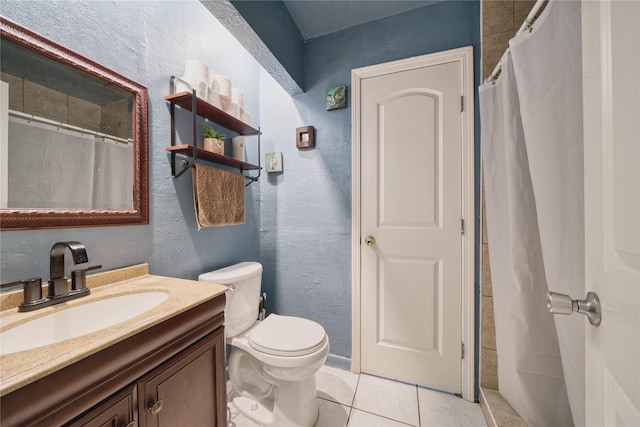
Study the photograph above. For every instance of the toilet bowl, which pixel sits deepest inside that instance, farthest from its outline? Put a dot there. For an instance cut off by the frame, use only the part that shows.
(272, 364)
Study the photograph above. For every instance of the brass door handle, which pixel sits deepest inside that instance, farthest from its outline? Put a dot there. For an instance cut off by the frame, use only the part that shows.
(370, 240)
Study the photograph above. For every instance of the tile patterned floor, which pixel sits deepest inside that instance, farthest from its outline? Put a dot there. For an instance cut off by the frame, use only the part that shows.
(350, 400)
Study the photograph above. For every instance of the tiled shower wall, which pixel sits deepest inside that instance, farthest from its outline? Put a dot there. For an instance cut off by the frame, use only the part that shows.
(28, 97)
(501, 20)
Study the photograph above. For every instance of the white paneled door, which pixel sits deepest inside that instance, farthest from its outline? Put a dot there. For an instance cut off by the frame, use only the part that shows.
(611, 91)
(411, 212)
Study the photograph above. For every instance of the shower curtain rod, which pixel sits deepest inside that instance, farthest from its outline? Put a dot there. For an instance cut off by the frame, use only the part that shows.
(526, 25)
(34, 118)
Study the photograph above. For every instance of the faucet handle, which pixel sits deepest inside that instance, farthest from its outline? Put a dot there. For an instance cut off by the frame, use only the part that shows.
(32, 294)
(79, 277)
(32, 289)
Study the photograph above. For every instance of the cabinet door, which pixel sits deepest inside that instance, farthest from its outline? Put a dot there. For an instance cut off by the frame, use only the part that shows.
(187, 390)
(116, 411)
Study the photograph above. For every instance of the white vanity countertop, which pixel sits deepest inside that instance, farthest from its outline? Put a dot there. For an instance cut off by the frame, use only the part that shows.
(21, 368)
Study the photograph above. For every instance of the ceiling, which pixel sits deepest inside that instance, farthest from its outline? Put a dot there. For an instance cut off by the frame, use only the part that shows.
(246, 21)
(319, 17)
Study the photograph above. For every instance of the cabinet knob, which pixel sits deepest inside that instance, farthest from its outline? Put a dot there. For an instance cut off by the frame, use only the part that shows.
(131, 424)
(155, 407)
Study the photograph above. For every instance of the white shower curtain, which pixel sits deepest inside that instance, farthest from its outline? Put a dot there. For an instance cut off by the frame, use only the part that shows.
(529, 366)
(548, 67)
(543, 209)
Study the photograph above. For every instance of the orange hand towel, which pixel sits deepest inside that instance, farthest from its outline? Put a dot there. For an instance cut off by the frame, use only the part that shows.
(218, 196)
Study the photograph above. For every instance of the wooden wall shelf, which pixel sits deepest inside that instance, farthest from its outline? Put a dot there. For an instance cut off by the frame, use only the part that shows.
(198, 107)
(187, 150)
(185, 100)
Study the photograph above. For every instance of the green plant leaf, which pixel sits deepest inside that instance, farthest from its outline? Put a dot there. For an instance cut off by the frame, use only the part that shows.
(209, 132)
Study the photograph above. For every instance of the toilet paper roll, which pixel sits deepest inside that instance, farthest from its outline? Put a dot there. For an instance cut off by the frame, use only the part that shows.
(186, 84)
(221, 85)
(238, 148)
(229, 107)
(198, 70)
(237, 96)
(214, 99)
(245, 116)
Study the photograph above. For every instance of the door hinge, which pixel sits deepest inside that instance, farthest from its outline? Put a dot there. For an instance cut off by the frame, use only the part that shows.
(461, 104)
(462, 351)
(462, 226)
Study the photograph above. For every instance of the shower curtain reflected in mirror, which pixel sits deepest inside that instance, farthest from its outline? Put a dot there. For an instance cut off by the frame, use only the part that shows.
(55, 168)
(112, 175)
(40, 157)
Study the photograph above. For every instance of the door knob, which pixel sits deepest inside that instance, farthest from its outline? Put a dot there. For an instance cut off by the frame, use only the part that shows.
(563, 304)
(370, 240)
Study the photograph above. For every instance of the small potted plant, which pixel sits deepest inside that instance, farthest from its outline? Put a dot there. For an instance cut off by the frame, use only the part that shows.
(213, 139)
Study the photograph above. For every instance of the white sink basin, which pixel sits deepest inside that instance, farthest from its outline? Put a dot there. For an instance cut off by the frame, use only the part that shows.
(77, 321)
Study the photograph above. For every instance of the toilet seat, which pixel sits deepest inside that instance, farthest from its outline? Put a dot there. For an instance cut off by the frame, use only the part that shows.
(287, 336)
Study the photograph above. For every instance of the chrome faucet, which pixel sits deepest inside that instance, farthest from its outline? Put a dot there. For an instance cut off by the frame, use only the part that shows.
(58, 283)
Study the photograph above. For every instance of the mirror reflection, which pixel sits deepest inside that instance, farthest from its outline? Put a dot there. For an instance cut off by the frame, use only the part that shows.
(69, 139)
(73, 138)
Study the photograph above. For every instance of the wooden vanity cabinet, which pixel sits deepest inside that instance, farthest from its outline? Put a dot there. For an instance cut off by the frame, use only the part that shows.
(119, 410)
(180, 362)
(183, 391)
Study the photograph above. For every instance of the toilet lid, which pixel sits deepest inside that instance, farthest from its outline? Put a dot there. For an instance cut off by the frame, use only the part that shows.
(287, 336)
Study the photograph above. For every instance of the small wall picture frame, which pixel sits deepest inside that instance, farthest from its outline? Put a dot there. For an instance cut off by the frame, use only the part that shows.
(336, 98)
(273, 162)
(304, 137)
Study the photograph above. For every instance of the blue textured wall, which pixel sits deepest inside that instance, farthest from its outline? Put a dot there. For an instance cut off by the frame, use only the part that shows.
(274, 25)
(306, 211)
(148, 42)
(304, 214)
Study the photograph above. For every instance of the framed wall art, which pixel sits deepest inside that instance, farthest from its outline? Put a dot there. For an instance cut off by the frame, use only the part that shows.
(273, 162)
(336, 98)
(304, 137)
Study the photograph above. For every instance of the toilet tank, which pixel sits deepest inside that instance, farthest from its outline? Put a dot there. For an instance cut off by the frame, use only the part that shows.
(243, 299)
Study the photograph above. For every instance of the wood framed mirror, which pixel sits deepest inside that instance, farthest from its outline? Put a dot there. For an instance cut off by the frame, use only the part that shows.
(73, 138)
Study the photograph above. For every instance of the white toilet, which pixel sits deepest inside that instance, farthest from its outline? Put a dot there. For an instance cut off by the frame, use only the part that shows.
(273, 362)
